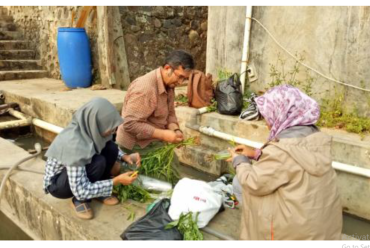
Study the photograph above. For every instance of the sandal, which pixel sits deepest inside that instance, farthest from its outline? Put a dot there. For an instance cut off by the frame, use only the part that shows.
(82, 209)
(108, 200)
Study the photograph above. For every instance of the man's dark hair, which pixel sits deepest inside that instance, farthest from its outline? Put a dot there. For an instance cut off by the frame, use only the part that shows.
(180, 57)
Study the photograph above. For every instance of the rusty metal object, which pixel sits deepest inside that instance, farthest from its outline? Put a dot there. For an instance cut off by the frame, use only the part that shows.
(2, 97)
(4, 108)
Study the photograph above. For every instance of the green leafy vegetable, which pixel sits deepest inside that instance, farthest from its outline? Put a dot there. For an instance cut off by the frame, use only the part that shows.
(133, 192)
(158, 163)
(187, 226)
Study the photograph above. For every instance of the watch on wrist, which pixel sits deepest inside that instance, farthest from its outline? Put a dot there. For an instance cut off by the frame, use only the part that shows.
(178, 129)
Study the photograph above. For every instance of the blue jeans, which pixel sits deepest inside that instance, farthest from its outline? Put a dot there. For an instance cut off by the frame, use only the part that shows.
(99, 169)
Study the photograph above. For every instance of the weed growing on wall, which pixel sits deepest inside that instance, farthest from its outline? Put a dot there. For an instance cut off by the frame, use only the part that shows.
(334, 115)
(333, 112)
(281, 75)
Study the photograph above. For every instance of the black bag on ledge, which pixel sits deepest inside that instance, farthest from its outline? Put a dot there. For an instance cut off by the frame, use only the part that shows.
(229, 96)
(152, 225)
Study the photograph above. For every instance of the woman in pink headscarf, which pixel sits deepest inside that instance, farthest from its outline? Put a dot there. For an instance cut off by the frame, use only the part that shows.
(290, 192)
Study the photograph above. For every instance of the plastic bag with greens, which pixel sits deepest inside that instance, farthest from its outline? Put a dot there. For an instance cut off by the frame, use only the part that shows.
(152, 225)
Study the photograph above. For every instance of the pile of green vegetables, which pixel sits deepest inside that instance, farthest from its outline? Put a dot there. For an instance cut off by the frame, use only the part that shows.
(158, 163)
(133, 192)
(187, 226)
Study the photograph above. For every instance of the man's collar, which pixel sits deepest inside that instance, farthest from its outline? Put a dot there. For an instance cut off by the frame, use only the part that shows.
(161, 87)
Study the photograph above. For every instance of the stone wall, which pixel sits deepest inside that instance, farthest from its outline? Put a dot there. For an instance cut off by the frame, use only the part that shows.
(40, 25)
(150, 33)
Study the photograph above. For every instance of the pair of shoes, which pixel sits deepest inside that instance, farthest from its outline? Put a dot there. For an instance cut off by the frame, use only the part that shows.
(82, 209)
(108, 200)
(251, 113)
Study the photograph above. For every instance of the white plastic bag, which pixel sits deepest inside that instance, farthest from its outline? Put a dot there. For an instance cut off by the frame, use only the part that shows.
(194, 196)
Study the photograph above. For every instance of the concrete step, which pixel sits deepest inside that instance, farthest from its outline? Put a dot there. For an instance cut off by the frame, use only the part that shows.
(10, 65)
(17, 54)
(8, 27)
(14, 45)
(6, 18)
(11, 35)
(14, 75)
(3, 11)
(5, 22)
(44, 217)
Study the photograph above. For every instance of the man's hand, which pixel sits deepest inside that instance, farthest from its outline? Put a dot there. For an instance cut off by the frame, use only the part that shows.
(133, 158)
(172, 137)
(179, 135)
(124, 179)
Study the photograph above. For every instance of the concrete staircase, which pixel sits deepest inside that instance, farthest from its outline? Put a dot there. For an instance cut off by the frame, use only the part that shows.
(17, 60)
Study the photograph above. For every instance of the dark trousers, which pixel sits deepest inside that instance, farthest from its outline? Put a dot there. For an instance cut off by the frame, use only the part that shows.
(99, 169)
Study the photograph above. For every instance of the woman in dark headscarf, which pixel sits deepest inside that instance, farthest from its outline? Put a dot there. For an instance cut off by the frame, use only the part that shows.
(83, 157)
(290, 192)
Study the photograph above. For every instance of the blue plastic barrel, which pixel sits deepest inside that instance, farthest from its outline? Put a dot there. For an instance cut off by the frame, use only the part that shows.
(74, 57)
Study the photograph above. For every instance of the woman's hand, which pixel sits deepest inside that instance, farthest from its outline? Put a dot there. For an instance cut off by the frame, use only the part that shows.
(133, 158)
(232, 153)
(124, 179)
(241, 150)
(245, 150)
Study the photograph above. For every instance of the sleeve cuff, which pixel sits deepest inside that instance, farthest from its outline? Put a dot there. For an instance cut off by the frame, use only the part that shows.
(120, 154)
(240, 159)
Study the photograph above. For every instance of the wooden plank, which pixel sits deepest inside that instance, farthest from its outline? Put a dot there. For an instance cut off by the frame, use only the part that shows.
(83, 16)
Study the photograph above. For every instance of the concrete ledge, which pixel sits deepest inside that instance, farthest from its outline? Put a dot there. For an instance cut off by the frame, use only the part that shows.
(44, 217)
(46, 100)
(347, 148)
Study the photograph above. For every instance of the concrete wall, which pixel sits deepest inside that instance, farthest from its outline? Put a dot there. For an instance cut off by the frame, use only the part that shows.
(151, 32)
(333, 40)
(40, 25)
(225, 38)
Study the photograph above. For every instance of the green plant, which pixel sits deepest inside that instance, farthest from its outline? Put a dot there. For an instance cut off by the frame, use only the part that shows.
(133, 192)
(223, 74)
(212, 107)
(132, 214)
(181, 98)
(158, 163)
(333, 115)
(187, 226)
(280, 75)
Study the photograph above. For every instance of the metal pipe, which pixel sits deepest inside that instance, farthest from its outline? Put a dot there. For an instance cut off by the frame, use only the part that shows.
(245, 53)
(9, 105)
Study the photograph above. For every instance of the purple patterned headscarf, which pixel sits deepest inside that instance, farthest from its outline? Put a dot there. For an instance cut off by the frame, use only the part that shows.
(285, 106)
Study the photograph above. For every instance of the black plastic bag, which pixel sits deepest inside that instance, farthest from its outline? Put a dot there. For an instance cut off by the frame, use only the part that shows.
(152, 225)
(229, 96)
